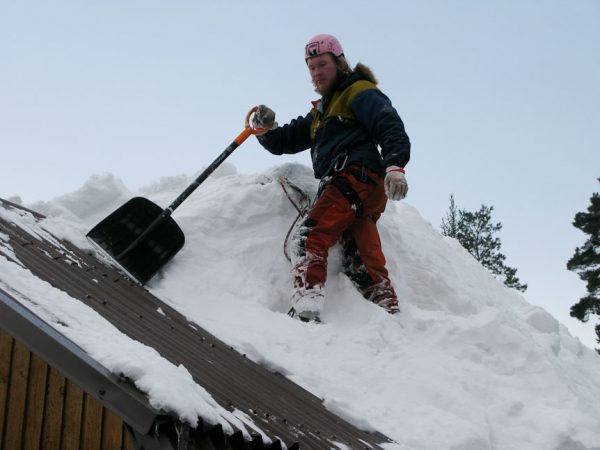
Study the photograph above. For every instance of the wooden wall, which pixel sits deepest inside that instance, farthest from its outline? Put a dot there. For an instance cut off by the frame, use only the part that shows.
(41, 409)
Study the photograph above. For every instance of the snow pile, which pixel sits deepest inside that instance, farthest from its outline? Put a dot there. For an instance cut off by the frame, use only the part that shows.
(467, 365)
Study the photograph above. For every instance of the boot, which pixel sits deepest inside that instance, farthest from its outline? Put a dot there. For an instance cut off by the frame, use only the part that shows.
(383, 295)
(307, 304)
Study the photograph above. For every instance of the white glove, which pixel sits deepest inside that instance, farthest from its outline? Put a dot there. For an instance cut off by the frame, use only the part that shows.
(264, 117)
(395, 183)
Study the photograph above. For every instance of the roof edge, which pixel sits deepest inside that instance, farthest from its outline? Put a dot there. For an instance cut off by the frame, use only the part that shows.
(62, 354)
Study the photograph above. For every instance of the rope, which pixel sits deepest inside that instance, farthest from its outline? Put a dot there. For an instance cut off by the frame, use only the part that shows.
(302, 207)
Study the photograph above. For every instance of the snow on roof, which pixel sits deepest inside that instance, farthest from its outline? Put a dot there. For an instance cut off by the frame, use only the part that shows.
(137, 337)
(468, 363)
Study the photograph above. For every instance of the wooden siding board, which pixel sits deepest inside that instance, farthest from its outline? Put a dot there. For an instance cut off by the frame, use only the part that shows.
(36, 398)
(6, 346)
(112, 431)
(17, 397)
(72, 416)
(53, 411)
(127, 443)
(91, 436)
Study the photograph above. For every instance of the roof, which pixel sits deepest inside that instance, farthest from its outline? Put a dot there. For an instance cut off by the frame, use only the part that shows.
(287, 414)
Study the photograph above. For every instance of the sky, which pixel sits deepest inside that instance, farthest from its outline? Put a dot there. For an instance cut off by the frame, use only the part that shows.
(468, 364)
(500, 100)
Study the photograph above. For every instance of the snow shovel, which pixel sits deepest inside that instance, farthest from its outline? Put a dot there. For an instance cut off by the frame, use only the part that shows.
(140, 236)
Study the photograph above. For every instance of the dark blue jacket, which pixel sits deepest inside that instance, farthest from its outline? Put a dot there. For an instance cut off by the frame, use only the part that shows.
(346, 127)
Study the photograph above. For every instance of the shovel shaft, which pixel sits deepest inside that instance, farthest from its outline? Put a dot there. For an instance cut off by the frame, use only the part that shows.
(166, 213)
(209, 170)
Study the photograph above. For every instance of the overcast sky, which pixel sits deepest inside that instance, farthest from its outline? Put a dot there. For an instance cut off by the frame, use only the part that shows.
(500, 100)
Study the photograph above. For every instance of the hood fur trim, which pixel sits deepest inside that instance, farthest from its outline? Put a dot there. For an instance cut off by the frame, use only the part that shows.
(360, 67)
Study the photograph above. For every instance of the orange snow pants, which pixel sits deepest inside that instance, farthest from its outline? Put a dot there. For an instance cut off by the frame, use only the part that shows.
(346, 210)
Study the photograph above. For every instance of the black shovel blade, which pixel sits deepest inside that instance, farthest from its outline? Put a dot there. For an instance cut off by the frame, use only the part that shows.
(120, 229)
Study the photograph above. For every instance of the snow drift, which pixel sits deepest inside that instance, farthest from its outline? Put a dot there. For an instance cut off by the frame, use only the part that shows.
(467, 365)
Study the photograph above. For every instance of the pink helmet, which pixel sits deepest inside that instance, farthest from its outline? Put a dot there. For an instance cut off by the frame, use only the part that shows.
(323, 43)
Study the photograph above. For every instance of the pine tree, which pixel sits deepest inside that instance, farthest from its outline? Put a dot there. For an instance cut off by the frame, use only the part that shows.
(450, 223)
(477, 234)
(586, 262)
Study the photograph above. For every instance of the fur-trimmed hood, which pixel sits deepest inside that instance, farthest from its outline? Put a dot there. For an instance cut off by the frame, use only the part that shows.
(360, 72)
(366, 71)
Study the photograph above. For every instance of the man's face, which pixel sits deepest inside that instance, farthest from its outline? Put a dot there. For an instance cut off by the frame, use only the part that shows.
(323, 72)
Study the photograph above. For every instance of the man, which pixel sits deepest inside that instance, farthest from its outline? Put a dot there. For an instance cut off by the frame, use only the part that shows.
(344, 131)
